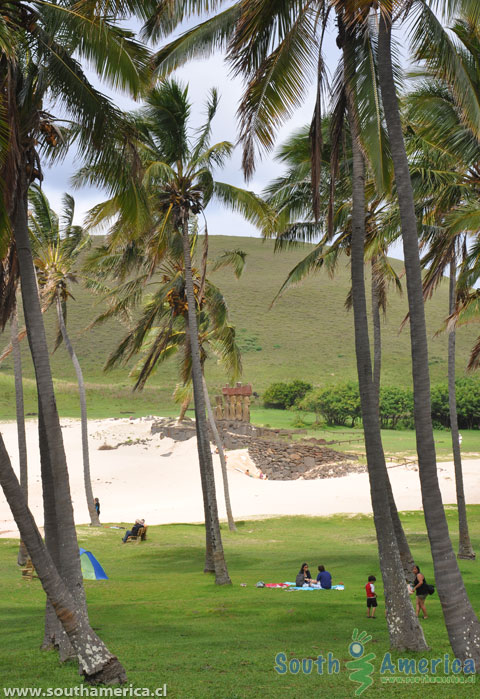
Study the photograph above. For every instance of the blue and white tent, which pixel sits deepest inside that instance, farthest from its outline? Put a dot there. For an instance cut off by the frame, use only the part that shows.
(91, 568)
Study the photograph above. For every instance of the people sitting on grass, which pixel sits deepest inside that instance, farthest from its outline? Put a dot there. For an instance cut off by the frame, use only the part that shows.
(324, 578)
(139, 524)
(304, 576)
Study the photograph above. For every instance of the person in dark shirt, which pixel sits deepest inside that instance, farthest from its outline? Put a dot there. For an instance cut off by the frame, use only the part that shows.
(324, 578)
(421, 590)
(97, 506)
(139, 523)
(306, 573)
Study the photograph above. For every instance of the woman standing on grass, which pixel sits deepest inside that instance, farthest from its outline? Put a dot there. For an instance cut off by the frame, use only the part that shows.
(421, 589)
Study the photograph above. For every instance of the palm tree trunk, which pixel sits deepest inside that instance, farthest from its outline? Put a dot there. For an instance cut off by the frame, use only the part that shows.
(402, 543)
(203, 444)
(377, 334)
(61, 503)
(462, 624)
(20, 413)
(221, 453)
(97, 664)
(94, 520)
(404, 629)
(465, 549)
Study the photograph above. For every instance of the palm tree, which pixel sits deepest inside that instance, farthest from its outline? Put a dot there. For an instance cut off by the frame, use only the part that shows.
(56, 247)
(96, 662)
(161, 332)
(36, 59)
(157, 188)
(462, 624)
(444, 180)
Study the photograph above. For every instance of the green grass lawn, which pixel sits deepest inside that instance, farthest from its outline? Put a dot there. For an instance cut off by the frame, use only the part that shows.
(169, 623)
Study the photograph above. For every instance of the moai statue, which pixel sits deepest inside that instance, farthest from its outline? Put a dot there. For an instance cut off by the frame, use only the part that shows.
(246, 409)
(218, 408)
(238, 408)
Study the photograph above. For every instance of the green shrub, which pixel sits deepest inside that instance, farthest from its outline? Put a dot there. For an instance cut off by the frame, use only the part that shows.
(339, 405)
(396, 406)
(284, 395)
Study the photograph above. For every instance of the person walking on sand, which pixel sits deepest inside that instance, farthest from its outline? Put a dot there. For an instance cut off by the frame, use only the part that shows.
(420, 587)
(371, 597)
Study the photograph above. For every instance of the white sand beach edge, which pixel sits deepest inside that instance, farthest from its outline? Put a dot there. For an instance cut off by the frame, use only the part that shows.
(158, 479)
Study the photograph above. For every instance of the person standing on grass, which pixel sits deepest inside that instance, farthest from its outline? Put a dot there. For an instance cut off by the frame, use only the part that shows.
(420, 587)
(371, 597)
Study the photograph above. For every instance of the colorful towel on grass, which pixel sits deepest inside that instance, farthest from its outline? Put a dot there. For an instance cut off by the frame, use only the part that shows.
(277, 584)
(292, 586)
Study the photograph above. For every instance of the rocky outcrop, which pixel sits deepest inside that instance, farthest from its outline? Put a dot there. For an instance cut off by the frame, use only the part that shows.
(278, 458)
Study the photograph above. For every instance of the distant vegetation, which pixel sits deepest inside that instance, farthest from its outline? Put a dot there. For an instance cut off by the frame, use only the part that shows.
(278, 345)
(340, 405)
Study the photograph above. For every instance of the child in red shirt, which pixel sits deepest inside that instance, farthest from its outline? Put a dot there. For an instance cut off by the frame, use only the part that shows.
(371, 597)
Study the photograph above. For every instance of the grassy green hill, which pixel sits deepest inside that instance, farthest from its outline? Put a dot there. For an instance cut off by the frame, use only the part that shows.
(308, 335)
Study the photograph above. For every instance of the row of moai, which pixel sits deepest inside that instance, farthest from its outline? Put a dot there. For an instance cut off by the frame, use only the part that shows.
(234, 403)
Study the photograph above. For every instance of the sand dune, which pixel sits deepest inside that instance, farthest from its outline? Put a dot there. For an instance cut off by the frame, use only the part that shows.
(158, 479)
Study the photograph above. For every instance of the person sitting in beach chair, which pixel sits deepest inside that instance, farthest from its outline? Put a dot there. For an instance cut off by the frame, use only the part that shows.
(139, 524)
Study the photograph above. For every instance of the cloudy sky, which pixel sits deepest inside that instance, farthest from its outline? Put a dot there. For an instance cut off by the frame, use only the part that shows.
(201, 76)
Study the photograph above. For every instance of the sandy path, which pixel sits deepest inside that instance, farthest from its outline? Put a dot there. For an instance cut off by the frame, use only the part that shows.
(158, 479)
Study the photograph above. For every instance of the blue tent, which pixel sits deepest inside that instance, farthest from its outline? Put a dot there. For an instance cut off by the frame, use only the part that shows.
(91, 568)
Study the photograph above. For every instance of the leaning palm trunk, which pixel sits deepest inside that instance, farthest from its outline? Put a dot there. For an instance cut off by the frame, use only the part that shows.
(462, 624)
(97, 664)
(60, 503)
(94, 520)
(404, 629)
(212, 524)
(221, 453)
(465, 549)
(20, 414)
(402, 543)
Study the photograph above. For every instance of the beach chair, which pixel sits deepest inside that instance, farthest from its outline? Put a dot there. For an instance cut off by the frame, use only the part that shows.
(28, 572)
(141, 535)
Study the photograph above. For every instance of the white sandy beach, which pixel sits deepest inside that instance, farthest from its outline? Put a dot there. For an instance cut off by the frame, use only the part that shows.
(158, 479)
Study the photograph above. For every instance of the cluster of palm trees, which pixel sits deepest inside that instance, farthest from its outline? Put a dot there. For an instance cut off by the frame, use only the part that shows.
(366, 172)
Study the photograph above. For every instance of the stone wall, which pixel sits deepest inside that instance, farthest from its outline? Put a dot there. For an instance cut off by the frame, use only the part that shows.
(278, 458)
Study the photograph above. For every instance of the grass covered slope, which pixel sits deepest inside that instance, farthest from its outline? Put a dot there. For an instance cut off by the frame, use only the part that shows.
(308, 335)
(168, 623)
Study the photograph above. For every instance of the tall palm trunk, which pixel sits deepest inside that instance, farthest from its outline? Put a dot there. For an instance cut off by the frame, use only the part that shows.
(462, 624)
(465, 549)
(404, 629)
(377, 333)
(20, 414)
(97, 664)
(402, 543)
(94, 520)
(183, 409)
(223, 461)
(203, 445)
(51, 436)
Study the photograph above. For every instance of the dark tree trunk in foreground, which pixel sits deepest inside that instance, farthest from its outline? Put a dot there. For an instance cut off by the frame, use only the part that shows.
(20, 414)
(60, 512)
(460, 619)
(402, 543)
(97, 664)
(223, 461)
(465, 549)
(203, 444)
(94, 520)
(404, 628)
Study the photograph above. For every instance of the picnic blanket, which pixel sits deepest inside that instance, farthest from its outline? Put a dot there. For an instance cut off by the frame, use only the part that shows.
(277, 584)
(292, 586)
